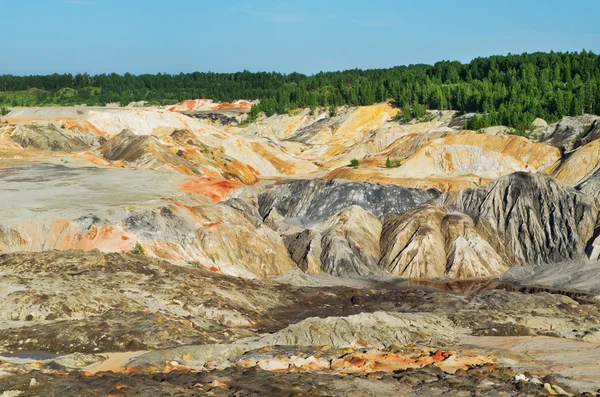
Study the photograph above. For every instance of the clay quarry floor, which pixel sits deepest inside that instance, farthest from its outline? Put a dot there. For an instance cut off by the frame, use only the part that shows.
(270, 267)
(438, 342)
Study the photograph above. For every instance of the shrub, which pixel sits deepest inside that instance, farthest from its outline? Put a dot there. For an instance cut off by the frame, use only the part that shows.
(393, 163)
(354, 163)
(332, 111)
(138, 249)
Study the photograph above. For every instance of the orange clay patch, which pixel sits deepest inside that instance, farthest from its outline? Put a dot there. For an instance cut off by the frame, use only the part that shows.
(83, 126)
(105, 238)
(214, 189)
(92, 158)
(189, 105)
(380, 361)
(69, 123)
(238, 105)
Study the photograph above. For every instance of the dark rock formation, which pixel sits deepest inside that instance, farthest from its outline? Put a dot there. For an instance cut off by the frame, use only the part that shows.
(215, 117)
(310, 201)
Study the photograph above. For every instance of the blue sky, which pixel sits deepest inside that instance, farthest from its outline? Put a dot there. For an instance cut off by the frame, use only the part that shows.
(148, 36)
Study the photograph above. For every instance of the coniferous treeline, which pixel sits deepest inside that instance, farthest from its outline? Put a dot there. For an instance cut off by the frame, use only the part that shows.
(511, 90)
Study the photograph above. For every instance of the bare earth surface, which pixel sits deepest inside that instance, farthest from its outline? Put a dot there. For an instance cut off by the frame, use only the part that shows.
(266, 265)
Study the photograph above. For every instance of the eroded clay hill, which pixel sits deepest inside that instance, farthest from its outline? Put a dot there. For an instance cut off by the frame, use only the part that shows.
(265, 264)
(279, 196)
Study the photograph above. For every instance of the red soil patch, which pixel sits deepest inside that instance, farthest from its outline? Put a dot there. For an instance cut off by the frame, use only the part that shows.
(188, 105)
(237, 105)
(225, 106)
(214, 189)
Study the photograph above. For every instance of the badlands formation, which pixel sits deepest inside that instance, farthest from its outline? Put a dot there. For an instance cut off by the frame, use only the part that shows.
(180, 251)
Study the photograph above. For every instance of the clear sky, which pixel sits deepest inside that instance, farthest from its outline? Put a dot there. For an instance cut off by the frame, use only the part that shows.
(150, 36)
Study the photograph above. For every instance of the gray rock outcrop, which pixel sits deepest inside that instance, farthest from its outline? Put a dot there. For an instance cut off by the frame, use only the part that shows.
(311, 201)
(305, 250)
(573, 132)
(528, 218)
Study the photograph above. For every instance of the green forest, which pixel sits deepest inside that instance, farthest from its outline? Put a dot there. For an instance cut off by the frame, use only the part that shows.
(507, 90)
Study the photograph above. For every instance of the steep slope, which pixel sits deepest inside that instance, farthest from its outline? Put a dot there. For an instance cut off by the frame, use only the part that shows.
(268, 156)
(517, 220)
(576, 166)
(412, 244)
(350, 243)
(197, 105)
(428, 242)
(470, 153)
(573, 132)
(349, 125)
(144, 151)
(345, 245)
(528, 218)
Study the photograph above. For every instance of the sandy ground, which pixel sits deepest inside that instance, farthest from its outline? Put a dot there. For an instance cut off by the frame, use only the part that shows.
(115, 362)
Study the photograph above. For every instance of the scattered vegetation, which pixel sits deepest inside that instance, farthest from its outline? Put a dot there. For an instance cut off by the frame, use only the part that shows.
(4, 110)
(505, 90)
(354, 163)
(393, 163)
(138, 249)
(332, 111)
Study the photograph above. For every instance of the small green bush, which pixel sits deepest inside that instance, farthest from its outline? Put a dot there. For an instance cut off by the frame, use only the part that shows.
(393, 163)
(138, 249)
(354, 163)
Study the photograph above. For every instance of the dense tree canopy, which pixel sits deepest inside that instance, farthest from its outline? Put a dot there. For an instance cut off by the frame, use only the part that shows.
(512, 90)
